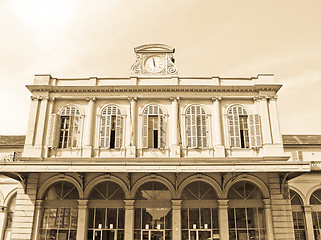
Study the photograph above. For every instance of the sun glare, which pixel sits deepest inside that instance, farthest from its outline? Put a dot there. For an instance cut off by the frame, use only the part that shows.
(43, 14)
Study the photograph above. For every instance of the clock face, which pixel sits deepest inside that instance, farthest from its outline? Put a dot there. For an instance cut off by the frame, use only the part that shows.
(154, 64)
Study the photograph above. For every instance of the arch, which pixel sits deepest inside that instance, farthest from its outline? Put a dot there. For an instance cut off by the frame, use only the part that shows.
(311, 191)
(249, 178)
(1, 198)
(150, 178)
(303, 199)
(57, 178)
(81, 111)
(9, 197)
(122, 110)
(203, 178)
(237, 104)
(207, 111)
(103, 178)
(154, 104)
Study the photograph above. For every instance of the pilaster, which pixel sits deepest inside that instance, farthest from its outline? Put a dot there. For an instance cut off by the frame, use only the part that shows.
(131, 149)
(275, 126)
(176, 219)
(3, 219)
(309, 223)
(82, 220)
(218, 137)
(37, 219)
(129, 219)
(175, 148)
(23, 217)
(88, 133)
(268, 219)
(281, 210)
(223, 218)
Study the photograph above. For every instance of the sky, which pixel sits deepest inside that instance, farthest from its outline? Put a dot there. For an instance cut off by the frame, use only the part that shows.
(96, 38)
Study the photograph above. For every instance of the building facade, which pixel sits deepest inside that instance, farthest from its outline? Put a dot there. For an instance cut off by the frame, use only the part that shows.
(157, 156)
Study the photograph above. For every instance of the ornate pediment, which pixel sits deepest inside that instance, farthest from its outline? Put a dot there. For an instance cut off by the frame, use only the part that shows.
(154, 60)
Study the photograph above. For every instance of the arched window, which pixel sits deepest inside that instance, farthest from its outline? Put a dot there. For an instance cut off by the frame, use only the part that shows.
(298, 216)
(196, 129)
(244, 129)
(153, 127)
(111, 127)
(246, 212)
(106, 212)
(10, 211)
(153, 215)
(315, 202)
(69, 127)
(60, 215)
(199, 211)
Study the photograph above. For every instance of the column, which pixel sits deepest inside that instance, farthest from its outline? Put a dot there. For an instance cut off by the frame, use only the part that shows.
(3, 220)
(129, 219)
(223, 218)
(37, 219)
(88, 133)
(268, 219)
(265, 122)
(175, 148)
(31, 128)
(41, 121)
(176, 220)
(275, 127)
(131, 151)
(82, 224)
(309, 222)
(50, 108)
(218, 137)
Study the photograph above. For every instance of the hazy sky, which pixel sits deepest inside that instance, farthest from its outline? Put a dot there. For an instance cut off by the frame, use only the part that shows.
(78, 38)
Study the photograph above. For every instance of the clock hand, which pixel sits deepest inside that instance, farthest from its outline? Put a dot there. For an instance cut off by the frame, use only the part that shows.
(154, 62)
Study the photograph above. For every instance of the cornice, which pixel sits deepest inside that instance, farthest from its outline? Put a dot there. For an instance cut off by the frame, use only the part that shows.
(154, 88)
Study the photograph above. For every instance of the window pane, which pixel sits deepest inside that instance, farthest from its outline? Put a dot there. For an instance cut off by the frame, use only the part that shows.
(100, 218)
(121, 218)
(184, 218)
(205, 218)
(111, 218)
(194, 218)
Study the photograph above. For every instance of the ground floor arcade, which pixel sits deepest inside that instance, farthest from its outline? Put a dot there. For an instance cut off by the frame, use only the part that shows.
(149, 206)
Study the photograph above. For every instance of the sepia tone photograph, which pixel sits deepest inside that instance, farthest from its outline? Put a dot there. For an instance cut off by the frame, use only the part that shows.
(160, 120)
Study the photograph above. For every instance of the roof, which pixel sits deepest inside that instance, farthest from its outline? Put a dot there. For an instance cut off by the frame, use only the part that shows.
(12, 140)
(301, 139)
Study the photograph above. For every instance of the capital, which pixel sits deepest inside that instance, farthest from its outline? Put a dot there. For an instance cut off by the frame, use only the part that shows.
(274, 97)
(216, 99)
(91, 99)
(174, 99)
(34, 98)
(132, 99)
(82, 203)
(43, 98)
(52, 99)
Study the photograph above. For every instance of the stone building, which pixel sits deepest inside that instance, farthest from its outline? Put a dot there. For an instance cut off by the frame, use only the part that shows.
(157, 156)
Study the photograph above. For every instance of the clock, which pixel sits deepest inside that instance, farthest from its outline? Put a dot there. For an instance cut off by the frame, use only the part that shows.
(154, 64)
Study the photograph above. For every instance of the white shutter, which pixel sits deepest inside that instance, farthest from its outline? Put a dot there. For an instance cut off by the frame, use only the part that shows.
(107, 130)
(118, 134)
(188, 130)
(204, 132)
(161, 131)
(193, 127)
(145, 131)
(234, 130)
(54, 130)
(255, 130)
(297, 156)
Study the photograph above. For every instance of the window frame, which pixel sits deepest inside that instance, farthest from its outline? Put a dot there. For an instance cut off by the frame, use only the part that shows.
(197, 141)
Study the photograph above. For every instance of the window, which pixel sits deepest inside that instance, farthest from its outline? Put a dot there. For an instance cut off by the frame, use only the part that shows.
(153, 127)
(66, 126)
(246, 213)
(244, 129)
(199, 218)
(196, 127)
(10, 211)
(298, 216)
(111, 127)
(315, 202)
(59, 221)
